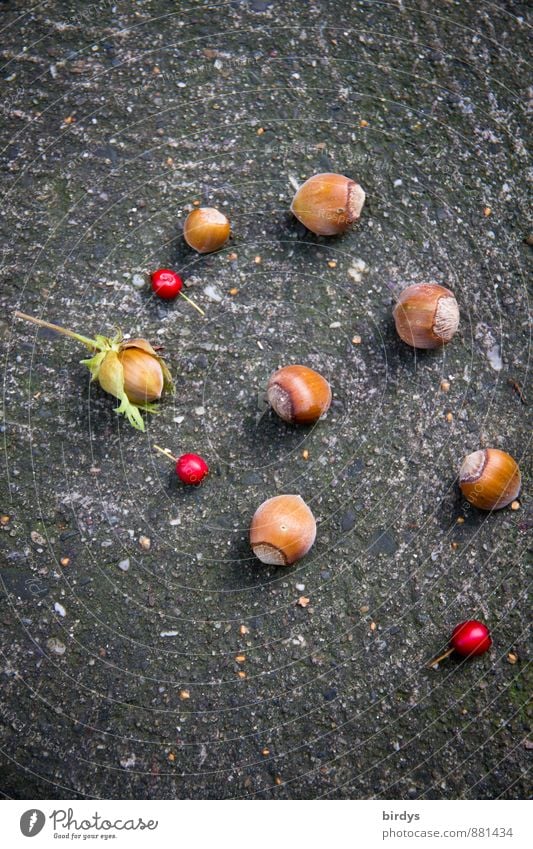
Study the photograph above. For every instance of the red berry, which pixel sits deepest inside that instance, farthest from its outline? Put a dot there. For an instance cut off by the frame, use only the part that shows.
(166, 283)
(191, 468)
(470, 638)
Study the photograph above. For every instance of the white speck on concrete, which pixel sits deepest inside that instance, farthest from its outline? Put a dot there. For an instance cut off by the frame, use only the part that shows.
(485, 337)
(357, 269)
(494, 358)
(213, 293)
(294, 182)
(56, 646)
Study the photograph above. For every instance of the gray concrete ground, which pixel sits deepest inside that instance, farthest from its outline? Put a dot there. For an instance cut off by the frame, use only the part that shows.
(116, 117)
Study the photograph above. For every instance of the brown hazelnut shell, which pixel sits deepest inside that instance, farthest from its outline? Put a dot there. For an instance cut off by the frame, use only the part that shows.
(283, 530)
(298, 394)
(143, 376)
(490, 479)
(328, 204)
(206, 229)
(426, 315)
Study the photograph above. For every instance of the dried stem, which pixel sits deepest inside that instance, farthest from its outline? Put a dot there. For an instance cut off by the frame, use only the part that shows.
(91, 343)
(196, 307)
(166, 452)
(442, 656)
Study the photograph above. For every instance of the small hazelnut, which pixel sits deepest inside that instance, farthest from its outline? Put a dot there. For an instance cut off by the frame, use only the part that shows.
(283, 530)
(206, 229)
(489, 479)
(328, 204)
(299, 394)
(426, 315)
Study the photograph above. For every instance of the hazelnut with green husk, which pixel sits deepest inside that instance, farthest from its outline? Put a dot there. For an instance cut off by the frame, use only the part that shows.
(130, 370)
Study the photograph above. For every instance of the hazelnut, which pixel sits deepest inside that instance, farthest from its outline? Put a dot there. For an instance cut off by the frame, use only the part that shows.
(283, 530)
(299, 394)
(489, 479)
(328, 204)
(206, 229)
(426, 315)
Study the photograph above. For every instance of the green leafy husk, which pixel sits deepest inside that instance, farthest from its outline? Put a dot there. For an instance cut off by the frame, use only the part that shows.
(105, 367)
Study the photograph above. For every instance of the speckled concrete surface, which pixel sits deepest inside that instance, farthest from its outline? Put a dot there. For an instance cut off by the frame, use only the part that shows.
(117, 118)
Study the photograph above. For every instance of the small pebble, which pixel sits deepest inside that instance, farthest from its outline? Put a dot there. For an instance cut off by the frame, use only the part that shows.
(145, 542)
(60, 609)
(56, 646)
(213, 293)
(125, 564)
(37, 538)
